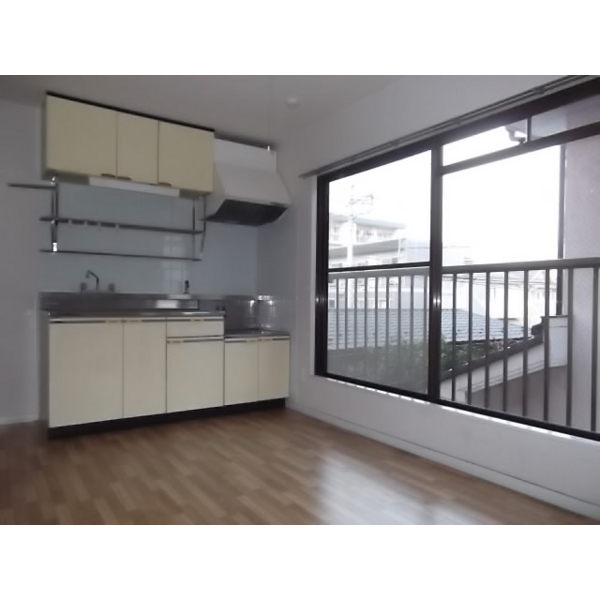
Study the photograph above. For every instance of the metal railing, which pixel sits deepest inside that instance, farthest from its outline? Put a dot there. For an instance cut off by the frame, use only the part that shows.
(517, 338)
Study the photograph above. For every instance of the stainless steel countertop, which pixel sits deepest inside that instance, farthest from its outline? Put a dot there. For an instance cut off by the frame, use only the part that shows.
(101, 302)
(241, 320)
(57, 314)
(254, 333)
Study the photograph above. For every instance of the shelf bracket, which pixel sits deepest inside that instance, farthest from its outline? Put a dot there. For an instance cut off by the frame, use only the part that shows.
(54, 188)
(204, 222)
(55, 215)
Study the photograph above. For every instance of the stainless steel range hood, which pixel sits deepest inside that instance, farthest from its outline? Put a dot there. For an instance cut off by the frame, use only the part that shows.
(248, 189)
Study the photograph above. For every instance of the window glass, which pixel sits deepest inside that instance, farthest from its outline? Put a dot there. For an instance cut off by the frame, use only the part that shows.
(378, 328)
(381, 216)
(486, 142)
(503, 211)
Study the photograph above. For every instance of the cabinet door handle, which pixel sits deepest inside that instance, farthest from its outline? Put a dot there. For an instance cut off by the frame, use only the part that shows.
(124, 177)
(110, 175)
(164, 183)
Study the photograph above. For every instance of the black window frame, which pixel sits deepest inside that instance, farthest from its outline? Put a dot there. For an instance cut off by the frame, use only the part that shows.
(434, 144)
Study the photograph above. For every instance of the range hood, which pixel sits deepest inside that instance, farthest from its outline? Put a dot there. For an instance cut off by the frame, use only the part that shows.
(247, 188)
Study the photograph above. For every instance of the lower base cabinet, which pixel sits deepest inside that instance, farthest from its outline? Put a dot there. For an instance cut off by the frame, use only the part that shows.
(85, 372)
(110, 369)
(195, 372)
(273, 369)
(145, 368)
(256, 369)
(241, 371)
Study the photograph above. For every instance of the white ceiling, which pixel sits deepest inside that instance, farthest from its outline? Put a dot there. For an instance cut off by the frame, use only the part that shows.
(246, 107)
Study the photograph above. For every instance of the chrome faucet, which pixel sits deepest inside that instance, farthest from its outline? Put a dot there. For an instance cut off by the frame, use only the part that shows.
(89, 274)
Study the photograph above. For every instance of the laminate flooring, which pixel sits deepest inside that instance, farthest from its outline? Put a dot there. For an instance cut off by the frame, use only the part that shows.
(267, 467)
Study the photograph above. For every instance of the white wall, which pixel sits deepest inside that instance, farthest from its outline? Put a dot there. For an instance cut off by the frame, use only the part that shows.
(19, 210)
(229, 265)
(277, 271)
(563, 471)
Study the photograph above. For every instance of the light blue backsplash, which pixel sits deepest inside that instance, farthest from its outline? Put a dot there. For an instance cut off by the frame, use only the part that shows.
(229, 265)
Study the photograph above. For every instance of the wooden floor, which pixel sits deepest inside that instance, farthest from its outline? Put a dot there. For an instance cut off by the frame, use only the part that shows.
(273, 466)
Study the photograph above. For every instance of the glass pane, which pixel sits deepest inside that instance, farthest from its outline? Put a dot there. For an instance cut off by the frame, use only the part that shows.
(378, 326)
(504, 338)
(567, 117)
(503, 211)
(486, 142)
(482, 316)
(381, 216)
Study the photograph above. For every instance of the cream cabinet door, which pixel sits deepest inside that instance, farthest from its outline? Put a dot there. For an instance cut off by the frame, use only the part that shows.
(273, 369)
(185, 157)
(80, 138)
(194, 373)
(241, 371)
(86, 372)
(137, 148)
(144, 368)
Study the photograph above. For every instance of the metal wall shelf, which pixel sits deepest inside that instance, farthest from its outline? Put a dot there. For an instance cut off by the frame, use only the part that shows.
(98, 253)
(115, 225)
(55, 220)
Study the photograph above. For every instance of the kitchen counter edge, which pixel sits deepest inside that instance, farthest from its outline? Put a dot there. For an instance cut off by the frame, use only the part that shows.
(57, 315)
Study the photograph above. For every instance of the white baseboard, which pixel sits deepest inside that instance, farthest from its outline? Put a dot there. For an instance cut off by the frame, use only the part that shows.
(535, 491)
(19, 419)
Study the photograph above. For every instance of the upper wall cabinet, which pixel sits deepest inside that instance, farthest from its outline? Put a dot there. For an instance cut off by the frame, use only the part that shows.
(137, 148)
(80, 138)
(185, 157)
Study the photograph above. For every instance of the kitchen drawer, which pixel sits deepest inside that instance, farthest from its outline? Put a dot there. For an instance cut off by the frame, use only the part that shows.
(195, 327)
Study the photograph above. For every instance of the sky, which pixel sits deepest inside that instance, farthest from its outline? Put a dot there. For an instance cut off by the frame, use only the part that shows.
(503, 211)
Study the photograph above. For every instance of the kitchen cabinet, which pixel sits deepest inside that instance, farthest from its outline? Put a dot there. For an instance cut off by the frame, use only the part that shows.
(241, 371)
(273, 368)
(103, 369)
(195, 370)
(185, 157)
(85, 372)
(88, 140)
(137, 148)
(144, 367)
(195, 327)
(256, 369)
(79, 138)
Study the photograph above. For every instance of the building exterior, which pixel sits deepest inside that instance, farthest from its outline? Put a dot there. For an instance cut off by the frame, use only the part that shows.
(362, 241)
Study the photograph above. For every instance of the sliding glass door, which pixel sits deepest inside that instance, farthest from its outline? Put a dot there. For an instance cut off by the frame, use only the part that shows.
(464, 270)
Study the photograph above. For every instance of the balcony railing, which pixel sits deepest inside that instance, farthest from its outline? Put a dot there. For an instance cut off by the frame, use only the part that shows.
(516, 338)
